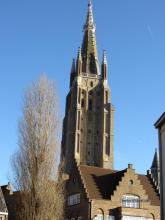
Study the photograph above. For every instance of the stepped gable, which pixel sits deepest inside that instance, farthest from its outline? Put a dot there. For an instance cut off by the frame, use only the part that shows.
(150, 190)
(101, 183)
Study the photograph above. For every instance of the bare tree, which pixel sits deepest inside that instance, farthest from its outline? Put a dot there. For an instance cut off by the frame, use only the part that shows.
(35, 163)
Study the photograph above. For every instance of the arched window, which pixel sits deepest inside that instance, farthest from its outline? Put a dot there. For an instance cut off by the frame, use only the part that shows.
(131, 201)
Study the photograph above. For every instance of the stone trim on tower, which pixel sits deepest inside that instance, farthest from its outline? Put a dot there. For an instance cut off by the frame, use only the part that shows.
(88, 126)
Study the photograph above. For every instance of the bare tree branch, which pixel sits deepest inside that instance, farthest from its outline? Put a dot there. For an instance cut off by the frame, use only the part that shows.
(34, 164)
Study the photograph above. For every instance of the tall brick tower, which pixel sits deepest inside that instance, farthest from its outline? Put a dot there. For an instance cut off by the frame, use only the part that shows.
(88, 126)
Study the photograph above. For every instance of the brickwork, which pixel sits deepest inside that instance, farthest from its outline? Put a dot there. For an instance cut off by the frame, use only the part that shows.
(129, 184)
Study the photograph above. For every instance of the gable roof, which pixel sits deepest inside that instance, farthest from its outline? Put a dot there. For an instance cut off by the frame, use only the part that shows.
(101, 183)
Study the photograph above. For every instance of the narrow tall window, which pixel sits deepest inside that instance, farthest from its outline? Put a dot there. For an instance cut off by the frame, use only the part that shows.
(79, 95)
(78, 143)
(82, 103)
(90, 105)
(78, 121)
(107, 147)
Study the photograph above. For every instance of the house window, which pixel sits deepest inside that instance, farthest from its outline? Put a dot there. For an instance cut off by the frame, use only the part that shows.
(124, 217)
(110, 217)
(107, 146)
(74, 199)
(99, 217)
(131, 201)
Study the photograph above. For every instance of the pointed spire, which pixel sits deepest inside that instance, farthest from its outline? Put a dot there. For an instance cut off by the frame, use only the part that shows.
(155, 163)
(90, 20)
(104, 57)
(89, 48)
(79, 62)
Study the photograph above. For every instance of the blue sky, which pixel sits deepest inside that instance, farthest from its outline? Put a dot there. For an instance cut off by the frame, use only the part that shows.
(42, 36)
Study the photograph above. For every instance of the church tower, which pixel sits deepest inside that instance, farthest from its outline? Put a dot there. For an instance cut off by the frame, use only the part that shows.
(88, 126)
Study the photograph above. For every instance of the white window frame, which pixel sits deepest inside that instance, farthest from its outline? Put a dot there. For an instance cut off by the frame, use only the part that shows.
(131, 201)
(74, 199)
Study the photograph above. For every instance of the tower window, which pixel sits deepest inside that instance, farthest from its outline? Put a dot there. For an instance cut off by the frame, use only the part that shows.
(82, 103)
(78, 143)
(78, 127)
(90, 105)
(79, 95)
(107, 150)
(91, 84)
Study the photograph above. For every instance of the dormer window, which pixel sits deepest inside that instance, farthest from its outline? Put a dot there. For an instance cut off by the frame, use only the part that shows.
(131, 201)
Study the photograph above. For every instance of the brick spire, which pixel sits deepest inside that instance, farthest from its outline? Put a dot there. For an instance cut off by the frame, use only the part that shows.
(89, 47)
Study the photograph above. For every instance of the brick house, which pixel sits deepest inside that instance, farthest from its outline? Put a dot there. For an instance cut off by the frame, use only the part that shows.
(99, 193)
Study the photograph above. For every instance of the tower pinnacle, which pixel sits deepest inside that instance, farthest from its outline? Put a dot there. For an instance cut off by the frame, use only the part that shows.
(79, 57)
(104, 57)
(89, 47)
